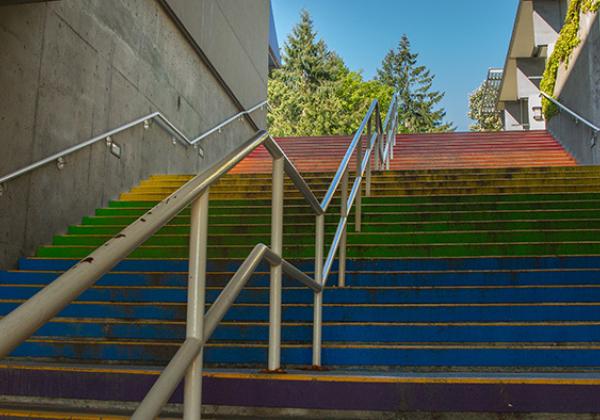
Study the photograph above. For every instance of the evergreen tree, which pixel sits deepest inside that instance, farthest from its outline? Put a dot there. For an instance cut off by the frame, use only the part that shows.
(307, 58)
(484, 121)
(413, 82)
(314, 93)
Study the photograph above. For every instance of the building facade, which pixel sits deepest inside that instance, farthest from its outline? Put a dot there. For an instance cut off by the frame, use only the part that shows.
(536, 31)
(73, 69)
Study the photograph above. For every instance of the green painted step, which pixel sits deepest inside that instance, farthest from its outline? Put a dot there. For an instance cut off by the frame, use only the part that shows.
(361, 251)
(378, 208)
(371, 227)
(439, 199)
(374, 217)
(358, 239)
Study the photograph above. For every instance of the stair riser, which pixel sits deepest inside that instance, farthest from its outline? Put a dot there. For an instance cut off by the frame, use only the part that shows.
(244, 356)
(341, 313)
(549, 189)
(399, 200)
(465, 217)
(371, 208)
(411, 397)
(378, 185)
(357, 251)
(435, 333)
(383, 238)
(373, 296)
(368, 279)
(410, 265)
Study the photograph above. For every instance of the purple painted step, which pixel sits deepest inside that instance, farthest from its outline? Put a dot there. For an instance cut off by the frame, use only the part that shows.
(500, 393)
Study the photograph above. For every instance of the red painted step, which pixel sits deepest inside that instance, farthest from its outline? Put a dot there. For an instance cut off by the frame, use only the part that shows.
(506, 149)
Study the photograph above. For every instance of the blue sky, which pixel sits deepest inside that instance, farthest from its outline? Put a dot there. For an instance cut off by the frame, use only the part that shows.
(458, 40)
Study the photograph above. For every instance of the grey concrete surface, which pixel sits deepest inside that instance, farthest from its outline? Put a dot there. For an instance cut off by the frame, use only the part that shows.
(231, 22)
(581, 93)
(72, 69)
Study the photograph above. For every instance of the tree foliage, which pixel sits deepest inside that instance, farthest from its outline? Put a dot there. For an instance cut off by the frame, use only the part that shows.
(483, 121)
(419, 112)
(314, 93)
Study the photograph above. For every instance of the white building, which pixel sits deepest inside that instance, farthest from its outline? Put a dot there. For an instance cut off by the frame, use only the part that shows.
(535, 32)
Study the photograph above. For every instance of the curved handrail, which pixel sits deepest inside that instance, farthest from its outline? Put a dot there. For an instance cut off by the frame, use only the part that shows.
(572, 113)
(157, 117)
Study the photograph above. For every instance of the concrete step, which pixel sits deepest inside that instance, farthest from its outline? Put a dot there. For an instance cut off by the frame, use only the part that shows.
(314, 395)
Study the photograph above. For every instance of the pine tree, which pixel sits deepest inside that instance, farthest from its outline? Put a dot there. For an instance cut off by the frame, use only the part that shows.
(314, 93)
(413, 82)
(484, 121)
(308, 58)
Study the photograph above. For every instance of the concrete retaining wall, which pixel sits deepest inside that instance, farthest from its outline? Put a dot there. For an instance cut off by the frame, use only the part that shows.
(72, 69)
(581, 93)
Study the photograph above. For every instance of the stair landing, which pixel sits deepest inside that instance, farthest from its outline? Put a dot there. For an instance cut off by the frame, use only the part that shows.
(424, 151)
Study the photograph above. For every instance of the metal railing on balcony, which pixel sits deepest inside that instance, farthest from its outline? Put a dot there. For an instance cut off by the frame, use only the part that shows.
(375, 136)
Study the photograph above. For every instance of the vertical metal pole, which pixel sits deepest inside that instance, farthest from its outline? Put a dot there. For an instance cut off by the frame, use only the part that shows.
(318, 302)
(394, 125)
(368, 187)
(274, 362)
(342, 248)
(358, 212)
(192, 406)
(377, 148)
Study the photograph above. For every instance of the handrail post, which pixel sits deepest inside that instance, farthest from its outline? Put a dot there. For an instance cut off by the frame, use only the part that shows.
(389, 148)
(377, 146)
(196, 303)
(395, 131)
(359, 156)
(318, 300)
(342, 250)
(274, 361)
(368, 176)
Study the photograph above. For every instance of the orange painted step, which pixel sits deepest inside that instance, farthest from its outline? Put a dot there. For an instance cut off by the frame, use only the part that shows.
(424, 151)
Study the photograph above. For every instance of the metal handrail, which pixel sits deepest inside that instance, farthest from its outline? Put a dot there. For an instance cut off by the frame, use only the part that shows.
(18, 325)
(229, 121)
(157, 117)
(337, 179)
(362, 167)
(172, 375)
(383, 138)
(22, 322)
(572, 113)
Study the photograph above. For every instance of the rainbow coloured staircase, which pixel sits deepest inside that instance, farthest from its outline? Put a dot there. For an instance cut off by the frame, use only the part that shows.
(474, 286)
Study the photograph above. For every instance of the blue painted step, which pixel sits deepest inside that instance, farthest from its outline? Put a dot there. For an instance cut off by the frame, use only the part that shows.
(348, 295)
(344, 313)
(356, 278)
(425, 264)
(541, 332)
(356, 355)
(414, 312)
